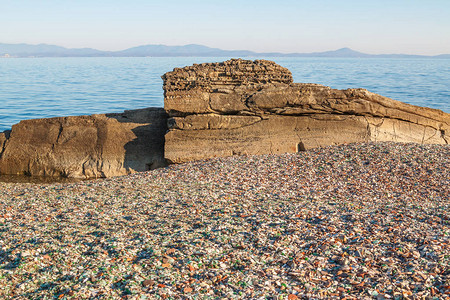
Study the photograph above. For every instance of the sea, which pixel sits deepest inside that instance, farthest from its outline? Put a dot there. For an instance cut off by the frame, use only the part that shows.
(50, 87)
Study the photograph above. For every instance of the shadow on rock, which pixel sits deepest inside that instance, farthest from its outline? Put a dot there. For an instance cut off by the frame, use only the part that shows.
(146, 151)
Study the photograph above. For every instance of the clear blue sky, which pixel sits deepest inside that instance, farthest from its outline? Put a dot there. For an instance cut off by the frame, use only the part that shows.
(372, 26)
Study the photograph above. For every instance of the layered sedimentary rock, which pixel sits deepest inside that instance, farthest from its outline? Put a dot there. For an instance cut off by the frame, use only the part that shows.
(85, 146)
(253, 107)
(215, 109)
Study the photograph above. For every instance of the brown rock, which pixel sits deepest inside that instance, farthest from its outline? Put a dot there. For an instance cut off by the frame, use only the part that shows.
(245, 107)
(212, 121)
(273, 134)
(216, 109)
(217, 87)
(3, 137)
(86, 146)
(148, 283)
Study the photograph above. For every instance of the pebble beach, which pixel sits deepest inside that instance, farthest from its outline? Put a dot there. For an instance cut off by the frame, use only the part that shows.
(355, 221)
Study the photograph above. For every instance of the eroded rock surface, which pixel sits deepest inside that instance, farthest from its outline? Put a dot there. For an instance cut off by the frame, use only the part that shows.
(215, 109)
(253, 107)
(86, 146)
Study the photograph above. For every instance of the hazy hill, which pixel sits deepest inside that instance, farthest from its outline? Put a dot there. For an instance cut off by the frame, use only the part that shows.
(344, 52)
(44, 50)
(443, 56)
(187, 50)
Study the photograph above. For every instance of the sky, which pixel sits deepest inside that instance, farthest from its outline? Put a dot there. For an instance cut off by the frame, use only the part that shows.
(370, 26)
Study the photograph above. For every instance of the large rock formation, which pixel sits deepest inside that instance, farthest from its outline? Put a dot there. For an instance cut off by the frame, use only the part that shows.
(253, 107)
(85, 146)
(215, 109)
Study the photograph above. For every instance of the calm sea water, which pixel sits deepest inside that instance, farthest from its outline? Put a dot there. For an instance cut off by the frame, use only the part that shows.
(49, 87)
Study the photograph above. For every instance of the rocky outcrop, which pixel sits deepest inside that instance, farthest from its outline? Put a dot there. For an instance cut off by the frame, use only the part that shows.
(216, 109)
(253, 107)
(86, 146)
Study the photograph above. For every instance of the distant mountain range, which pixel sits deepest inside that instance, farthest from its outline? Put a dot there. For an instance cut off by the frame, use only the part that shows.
(44, 50)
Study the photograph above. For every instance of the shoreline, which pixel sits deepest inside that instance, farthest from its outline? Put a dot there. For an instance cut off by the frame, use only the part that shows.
(355, 220)
(38, 179)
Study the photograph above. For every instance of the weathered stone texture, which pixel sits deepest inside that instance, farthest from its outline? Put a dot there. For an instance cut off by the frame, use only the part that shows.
(245, 107)
(86, 146)
(188, 90)
(3, 139)
(215, 109)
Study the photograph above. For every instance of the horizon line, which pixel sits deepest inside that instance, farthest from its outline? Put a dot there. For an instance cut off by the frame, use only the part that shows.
(228, 50)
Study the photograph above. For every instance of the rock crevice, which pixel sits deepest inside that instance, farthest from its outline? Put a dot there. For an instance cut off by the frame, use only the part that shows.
(3, 138)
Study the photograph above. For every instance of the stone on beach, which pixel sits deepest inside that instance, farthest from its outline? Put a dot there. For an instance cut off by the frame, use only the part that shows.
(234, 107)
(253, 107)
(94, 146)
